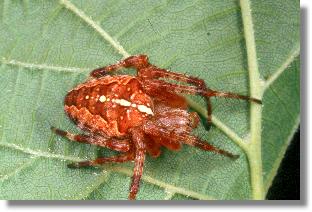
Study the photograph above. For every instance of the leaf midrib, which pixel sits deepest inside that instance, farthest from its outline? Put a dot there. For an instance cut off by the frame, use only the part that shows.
(253, 150)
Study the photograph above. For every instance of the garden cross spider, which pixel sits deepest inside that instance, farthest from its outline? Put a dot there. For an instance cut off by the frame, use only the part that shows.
(138, 114)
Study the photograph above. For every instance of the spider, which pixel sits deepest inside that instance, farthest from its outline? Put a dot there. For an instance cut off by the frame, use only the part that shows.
(137, 115)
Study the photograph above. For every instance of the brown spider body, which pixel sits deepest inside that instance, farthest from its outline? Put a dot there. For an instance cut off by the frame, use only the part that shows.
(109, 106)
(136, 115)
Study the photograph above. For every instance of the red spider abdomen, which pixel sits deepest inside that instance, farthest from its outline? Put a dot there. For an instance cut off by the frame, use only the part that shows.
(109, 105)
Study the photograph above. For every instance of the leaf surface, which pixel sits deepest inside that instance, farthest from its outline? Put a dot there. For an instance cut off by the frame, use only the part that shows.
(48, 47)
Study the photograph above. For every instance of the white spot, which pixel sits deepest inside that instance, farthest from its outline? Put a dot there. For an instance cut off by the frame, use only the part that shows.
(123, 102)
(144, 109)
(128, 89)
(87, 96)
(126, 103)
(140, 91)
(121, 117)
(102, 99)
(114, 105)
(116, 95)
(148, 104)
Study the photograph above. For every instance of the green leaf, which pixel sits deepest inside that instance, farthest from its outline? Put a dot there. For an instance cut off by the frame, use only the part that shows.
(247, 47)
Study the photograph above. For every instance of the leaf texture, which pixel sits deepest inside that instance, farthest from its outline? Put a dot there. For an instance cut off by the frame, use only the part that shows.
(47, 47)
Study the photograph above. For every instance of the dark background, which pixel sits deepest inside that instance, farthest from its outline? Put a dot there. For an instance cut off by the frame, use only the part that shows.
(286, 185)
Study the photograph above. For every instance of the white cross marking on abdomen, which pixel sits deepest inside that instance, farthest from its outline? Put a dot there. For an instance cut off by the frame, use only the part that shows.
(126, 103)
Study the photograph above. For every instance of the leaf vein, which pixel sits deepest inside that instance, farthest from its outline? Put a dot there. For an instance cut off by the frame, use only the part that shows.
(254, 148)
(219, 124)
(121, 170)
(168, 187)
(42, 66)
(87, 192)
(283, 67)
(169, 195)
(25, 165)
(71, 7)
(39, 153)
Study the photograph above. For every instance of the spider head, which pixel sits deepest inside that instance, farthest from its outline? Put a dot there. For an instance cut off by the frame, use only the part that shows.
(169, 119)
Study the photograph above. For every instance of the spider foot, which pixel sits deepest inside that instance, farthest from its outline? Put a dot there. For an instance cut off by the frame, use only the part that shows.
(79, 165)
(234, 157)
(58, 131)
(226, 153)
(73, 165)
(208, 125)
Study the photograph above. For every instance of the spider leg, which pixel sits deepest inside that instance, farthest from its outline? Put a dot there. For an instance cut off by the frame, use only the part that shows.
(179, 138)
(152, 147)
(136, 61)
(152, 72)
(138, 139)
(194, 90)
(155, 73)
(161, 95)
(111, 143)
(114, 159)
(196, 142)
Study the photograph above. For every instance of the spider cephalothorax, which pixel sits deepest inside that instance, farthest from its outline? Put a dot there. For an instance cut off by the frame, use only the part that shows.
(136, 115)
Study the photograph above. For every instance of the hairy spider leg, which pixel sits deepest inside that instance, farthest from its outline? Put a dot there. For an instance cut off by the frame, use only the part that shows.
(138, 156)
(122, 145)
(152, 147)
(138, 140)
(155, 73)
(161, 95)
(136, 61)
(195, 119)
(125, 157)
(187, 139)
(196, 142)
(194, 90)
